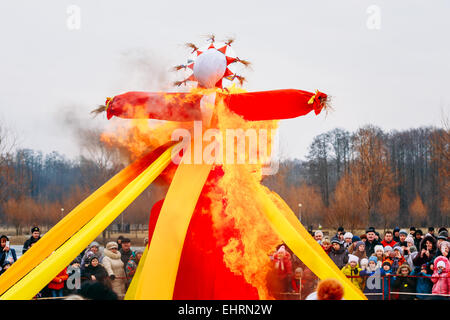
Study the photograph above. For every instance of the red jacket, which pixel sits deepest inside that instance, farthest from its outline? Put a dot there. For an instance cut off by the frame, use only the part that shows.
(392, 243)
(58, 282)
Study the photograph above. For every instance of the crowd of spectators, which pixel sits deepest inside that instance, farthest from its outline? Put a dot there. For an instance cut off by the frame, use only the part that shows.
(400, 265)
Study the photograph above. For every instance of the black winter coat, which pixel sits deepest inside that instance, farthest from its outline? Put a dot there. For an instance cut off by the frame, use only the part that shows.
(340, 257)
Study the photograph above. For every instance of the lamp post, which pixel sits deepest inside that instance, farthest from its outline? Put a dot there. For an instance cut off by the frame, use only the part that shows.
(300, 212)
(62, 213)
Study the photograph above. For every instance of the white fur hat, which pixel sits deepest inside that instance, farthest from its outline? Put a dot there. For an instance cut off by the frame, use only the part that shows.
(348, 235)
(441, 264)
(378, 247)
(364, 262)
(352, 257)
(409, 239)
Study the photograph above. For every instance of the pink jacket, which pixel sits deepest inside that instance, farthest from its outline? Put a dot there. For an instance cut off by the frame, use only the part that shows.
(441, 281)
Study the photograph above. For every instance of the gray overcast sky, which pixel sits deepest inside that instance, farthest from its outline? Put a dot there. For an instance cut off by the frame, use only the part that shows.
(395, 77)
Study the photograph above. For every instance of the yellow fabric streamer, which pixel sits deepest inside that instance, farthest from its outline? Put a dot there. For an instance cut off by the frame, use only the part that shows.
(297, 238)
(73, 221)
(35, 280)
(161, 266)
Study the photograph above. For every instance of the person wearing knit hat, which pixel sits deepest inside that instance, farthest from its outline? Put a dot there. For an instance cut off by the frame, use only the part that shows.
(379, 254)
(363, 263)
(35, 236)
(356, 239)
(360, 250)
(386, 267)
(338, 253)
(372, 275)
(92, 249)
(115, 268)
(347, 239)
(351, 270)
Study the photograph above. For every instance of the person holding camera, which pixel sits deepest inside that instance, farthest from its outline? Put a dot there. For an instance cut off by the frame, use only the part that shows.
(427, 251)
(7, 254)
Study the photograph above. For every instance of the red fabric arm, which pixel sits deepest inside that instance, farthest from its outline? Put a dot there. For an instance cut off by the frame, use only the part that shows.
(275, 104)
(175, 106)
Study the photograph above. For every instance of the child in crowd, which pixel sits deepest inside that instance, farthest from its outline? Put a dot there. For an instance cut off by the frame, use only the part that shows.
(423, 281)
(351, 270)
(441, 277)
(404, 284)
(373, 274)
(387, 279)
(379, 254)
(56, 286)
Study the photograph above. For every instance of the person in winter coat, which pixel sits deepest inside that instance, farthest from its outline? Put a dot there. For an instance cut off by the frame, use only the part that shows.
(326, 245)
(441, 277)
(371, 241)
(338, 253)
(387, 279)
(115, 269)
(56, 286)
(6, 253)
(360, 250)
(94, 271)
(388, 239)
(348, 239)
(396, 234)
(404, 284)
(132, 264)
(283, 267)
(395, 258)
(92, 250)
(352, 270)
(443, 249)
(423, 281)
(372, 278)
(379, 254)
(426, 251)
(35, 236)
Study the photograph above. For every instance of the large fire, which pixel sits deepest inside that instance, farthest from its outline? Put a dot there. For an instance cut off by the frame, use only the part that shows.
(247, 248)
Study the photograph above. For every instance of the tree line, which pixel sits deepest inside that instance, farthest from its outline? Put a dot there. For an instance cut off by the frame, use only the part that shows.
(348, 178)
(370, 177)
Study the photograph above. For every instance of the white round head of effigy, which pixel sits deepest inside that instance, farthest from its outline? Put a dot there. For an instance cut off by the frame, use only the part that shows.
(211, 65)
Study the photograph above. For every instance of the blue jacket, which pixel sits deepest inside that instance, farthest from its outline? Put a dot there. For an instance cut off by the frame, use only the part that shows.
(423, 285)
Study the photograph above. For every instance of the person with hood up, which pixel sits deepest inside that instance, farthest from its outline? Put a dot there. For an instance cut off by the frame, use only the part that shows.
(92, 250)
(387, 279)
(352, 270)
(426, 251)
(439, 244)
(404, 284)
(338, 253)
(115, 269)
(283, 267)
(441, 277)
(95, 271)
(396, 234)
